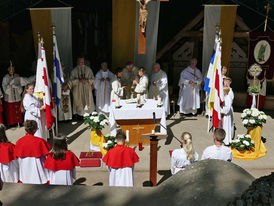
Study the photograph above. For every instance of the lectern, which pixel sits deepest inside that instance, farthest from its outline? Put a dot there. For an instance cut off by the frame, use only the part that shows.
(154, 138)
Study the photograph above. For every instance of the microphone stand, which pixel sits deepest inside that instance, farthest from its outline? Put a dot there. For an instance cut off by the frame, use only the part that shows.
(155, 122)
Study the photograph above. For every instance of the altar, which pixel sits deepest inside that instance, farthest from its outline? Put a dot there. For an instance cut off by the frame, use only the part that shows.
(137, 121)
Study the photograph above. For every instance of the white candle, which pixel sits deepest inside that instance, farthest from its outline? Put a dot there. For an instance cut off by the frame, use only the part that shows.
(153, 131)
(127, 135)
(159, 101)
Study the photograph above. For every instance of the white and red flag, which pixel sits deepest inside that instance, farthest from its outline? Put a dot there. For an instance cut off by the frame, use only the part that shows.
(43, 85)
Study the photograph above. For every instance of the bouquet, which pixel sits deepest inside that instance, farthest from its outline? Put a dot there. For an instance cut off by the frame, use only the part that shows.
(243, 142)
(253, 118)
(110, 142)
(95, 121)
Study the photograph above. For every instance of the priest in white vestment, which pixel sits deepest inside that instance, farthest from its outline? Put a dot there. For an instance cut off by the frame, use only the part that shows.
(81, 85)
(130, 73)
(227, 116)
(117, 91)
(141, 85)
(218, 150)
(120, 161)
(189, 94)
(12, 97)
(159, 87)
(102, 85)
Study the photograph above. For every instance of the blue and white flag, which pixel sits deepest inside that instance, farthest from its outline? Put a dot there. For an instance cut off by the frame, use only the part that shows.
(58, 79)
(209, 75)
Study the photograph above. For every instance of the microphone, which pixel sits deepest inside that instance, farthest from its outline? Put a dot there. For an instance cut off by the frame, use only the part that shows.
(154, 118)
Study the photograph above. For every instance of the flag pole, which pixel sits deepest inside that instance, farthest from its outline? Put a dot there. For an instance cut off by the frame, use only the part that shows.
(55, 106)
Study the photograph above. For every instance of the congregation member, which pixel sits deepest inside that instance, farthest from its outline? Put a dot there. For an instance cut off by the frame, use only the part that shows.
(33, 111)
(81, 85)
(130, 73)
(142, 84)
(120, 161)
(102, 85)
(12, 97)
(31, 152)
(61, 163)
(64, 108)
(218, 150)
(117, 91)
(227, 122)
(159, 87)
(189, 94)
(185, 156)
(9, 168)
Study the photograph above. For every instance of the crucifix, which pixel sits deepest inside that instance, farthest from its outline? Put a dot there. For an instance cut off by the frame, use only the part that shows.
(138, 128)
(143, 14)
(268, 8)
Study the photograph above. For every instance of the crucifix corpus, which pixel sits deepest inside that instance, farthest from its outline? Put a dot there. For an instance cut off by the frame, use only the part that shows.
(143, 14)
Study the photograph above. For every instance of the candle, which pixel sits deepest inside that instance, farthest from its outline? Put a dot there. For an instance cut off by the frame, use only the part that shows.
(140, 146)
(153, 131)
(159, 101)
(127, 135)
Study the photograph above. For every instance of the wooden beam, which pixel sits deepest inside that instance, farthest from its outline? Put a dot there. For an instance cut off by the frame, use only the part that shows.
(241, 24)
(188, 27)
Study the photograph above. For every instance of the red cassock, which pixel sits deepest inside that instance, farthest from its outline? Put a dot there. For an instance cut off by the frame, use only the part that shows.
(13, 113)
(120, 156)
(7, 153)
(1, 113)
(31, 146)
(69, 163)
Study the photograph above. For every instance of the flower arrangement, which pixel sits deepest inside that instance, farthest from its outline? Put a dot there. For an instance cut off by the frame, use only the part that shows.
(95, 121)
(110, 142)
(243, 142)
(254, 89)
(253, 118)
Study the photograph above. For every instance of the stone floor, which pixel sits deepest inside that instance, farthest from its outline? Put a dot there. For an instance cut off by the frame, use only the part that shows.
(78, 137)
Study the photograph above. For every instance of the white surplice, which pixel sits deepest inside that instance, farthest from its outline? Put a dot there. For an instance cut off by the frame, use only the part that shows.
(12, 88)
(117, 90)
(141, 87)
(62, 177)
(227, 119)
(121, 177)
(9, 172)
(103, 89)
(160, 90)
(32, 112)
(189, 96)
(219, 153)
(32, 170)
(179, 160)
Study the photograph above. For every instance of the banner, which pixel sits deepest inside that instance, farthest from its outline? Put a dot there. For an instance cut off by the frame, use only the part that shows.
(260, 48)
(42, 20)
(223, 16)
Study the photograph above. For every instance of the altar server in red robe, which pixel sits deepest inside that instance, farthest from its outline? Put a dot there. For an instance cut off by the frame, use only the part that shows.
(120, 161)
(32, 152)
(61, 163)
(9, 168)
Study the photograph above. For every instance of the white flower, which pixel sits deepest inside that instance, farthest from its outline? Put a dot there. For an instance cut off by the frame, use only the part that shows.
(245, 110)
(265, 117)
(246, 143)
(242, 146)
(109, 142)
(247, 136)
(252, 142)
(240, 136)
(91, 117)
(236, 141)
(86, 114)
(105, 145)
(96, 119)
(255, 113)
(251, 121)
(105, 121)
(260, 117)
(245, 121)
(94, 113)
(248, 112)
(243, 115)
(102, 123)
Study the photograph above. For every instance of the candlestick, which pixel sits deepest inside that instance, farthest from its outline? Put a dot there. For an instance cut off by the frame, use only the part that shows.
(127, 135)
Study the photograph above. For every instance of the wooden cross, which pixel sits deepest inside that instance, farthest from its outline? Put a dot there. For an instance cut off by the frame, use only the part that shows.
(138, 128)
(143, 13)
